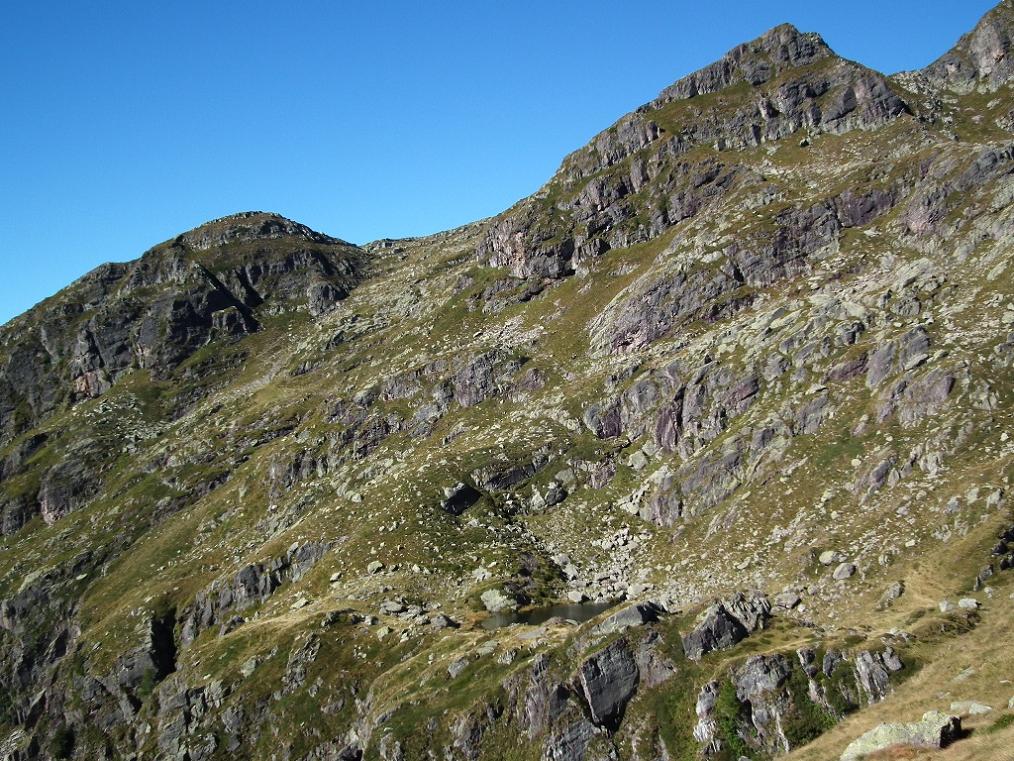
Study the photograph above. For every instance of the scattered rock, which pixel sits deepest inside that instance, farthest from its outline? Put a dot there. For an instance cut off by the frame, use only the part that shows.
(844, 571)
(970, 708)
(894, 590)
(830, 557)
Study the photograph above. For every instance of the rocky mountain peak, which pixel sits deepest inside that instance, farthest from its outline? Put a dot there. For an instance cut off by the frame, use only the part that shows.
(982, 59)
(248, 226)
(755, 63)
(677, 153)
(213, 283)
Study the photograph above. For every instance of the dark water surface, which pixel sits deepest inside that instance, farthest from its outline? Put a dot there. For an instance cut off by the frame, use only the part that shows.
(534, 616)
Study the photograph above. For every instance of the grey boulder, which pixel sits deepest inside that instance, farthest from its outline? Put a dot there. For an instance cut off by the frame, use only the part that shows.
(936, 730)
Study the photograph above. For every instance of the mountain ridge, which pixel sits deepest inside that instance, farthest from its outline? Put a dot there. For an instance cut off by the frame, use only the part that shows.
(784, 40)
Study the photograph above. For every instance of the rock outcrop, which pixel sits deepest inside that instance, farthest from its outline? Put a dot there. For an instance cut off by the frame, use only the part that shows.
(252, 584)
(800, 84)
(775, 703)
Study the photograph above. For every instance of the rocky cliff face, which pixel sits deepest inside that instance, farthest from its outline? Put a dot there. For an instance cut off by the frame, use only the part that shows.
(740, 369)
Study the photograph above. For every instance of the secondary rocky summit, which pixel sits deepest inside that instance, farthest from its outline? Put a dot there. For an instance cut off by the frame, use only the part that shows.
(741, 368)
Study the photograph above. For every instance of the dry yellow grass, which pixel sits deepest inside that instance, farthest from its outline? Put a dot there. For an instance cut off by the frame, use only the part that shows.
(976, 666)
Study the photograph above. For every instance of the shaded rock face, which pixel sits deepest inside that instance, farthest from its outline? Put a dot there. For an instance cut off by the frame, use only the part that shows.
(15, 511)
(459, 498)
(140, 669)
(608, 680)
(20, 454)
(153, 313)
(38, 627)
(64, 488)
(726, 623)
(51, 491)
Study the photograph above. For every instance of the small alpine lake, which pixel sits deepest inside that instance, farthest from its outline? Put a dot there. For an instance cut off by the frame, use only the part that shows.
(579, 612)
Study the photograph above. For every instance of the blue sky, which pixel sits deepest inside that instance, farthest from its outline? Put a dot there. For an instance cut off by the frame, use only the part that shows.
(125, 123)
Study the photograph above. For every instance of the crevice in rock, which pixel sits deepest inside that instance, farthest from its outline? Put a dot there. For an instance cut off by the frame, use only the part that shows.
(253, 298)
(163, 644)
(252, 325)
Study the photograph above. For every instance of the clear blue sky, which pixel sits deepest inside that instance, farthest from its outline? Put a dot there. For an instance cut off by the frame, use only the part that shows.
(124, 123)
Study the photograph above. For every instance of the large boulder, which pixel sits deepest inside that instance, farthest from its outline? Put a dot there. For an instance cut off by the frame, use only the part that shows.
(726, 623)
(936, 730)
(497, 601)
(717, 629)
(629, 616)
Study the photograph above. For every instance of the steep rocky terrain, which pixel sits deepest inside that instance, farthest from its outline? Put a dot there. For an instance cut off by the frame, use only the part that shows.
(742, 367)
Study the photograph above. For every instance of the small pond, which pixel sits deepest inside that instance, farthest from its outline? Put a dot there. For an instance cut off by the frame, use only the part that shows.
(534, 616)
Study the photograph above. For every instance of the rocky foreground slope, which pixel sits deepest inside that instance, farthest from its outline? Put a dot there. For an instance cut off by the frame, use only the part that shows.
(742, 367)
